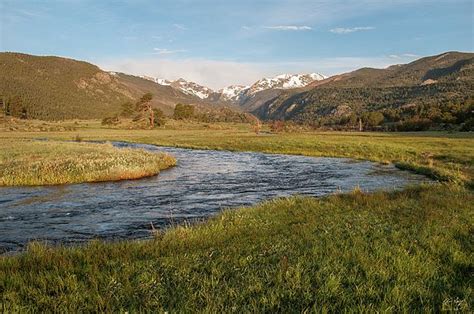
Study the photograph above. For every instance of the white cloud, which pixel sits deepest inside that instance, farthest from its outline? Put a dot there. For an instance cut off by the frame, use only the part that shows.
(410, 55)
(165, 51)
(288, 28)
(403, 56)
(343, 30)
(212, 73)
(180, 27)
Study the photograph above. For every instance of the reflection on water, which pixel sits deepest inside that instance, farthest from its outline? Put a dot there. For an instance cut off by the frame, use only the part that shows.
(202, 183)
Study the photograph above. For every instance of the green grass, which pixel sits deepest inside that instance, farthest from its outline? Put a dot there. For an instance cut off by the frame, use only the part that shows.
(26, 162)
(408, 251)
(443, 156)
(402, 251)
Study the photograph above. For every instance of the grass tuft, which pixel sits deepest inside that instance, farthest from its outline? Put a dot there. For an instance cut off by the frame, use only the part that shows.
(48, 163)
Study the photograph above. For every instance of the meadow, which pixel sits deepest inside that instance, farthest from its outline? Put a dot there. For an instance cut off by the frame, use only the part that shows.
(410, 250)
(441, 155)
(29, 162)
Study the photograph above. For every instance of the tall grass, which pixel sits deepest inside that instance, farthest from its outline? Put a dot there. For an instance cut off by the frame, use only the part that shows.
(26, 162)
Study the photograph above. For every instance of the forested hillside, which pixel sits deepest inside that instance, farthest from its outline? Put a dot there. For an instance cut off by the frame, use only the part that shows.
(55, 88)
(432, 90)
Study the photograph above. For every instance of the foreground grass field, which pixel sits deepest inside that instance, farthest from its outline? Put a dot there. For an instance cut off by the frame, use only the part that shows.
(27, 162)
(401, 251)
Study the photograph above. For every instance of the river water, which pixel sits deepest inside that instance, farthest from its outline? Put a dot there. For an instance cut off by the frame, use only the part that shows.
(203, 183)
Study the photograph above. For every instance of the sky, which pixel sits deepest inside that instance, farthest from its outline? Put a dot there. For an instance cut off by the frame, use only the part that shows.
(219, 43)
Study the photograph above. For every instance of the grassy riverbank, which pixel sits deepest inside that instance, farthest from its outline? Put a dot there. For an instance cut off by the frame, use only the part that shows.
(444, 156)
(410, 250)
(407, 251)
(27, 162)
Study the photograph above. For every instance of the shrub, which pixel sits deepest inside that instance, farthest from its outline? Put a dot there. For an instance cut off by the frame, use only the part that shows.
(110, 120)
(182, 112)
(160, 118)
(277, 126)
(468, 126)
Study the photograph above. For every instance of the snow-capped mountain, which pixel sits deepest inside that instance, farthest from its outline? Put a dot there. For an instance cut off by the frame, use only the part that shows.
(156, 80)
(192, 88)
(237, 93)
(148, 78)
(233, 92)
(285, 81)
(163, 81)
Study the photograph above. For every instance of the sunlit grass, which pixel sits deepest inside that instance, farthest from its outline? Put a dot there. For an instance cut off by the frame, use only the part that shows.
(401, 251)
(443, 156)
(26, 162)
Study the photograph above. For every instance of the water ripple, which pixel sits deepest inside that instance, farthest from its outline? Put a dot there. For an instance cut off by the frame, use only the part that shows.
(203, 183)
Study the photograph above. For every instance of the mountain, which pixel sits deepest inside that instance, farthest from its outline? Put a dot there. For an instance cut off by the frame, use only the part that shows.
(267, 89)
(437, 89)
(239, 94)
(192, 88)
(232, 93)
(424, 71)
(245, 95)
(164, 96)
(428, 88)
(55, 88)
(285, 81)
(186, 87)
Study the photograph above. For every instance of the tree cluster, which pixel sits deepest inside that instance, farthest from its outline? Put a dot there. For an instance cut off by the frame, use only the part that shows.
(140, 112)
(183, 112)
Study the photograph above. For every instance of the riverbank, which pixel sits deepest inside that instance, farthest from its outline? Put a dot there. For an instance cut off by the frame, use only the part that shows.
(402, 251)
(440, 155)
(28, 162)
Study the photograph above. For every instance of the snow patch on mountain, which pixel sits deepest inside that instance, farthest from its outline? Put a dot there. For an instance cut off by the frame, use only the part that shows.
(286, 81)
(163, 82)
(148, 78)
(239, 92)
(192, 88)
(233, 92)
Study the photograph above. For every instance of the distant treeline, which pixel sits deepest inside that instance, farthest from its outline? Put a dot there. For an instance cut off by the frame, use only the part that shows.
(143, 115)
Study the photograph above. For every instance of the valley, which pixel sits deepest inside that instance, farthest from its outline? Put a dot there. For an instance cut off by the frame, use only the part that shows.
(432, 93)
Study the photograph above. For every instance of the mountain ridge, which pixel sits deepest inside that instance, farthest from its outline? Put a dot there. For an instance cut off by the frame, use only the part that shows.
(435, 88)
(428, 89)
(237, 93)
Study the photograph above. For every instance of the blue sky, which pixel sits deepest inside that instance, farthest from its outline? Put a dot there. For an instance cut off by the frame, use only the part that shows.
(218, 43)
